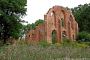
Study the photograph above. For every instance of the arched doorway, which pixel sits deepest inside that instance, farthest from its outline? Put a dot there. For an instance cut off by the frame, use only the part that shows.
(54, 37)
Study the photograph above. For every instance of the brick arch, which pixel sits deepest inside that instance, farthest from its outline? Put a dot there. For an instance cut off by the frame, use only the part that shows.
(63, 12)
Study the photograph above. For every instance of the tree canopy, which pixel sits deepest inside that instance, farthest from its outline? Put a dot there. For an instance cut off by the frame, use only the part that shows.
(11, 12)
(82, 15)
(39, 21)
(33, 25)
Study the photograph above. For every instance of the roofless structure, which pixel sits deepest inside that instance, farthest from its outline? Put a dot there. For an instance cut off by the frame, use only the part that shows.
(59, 24)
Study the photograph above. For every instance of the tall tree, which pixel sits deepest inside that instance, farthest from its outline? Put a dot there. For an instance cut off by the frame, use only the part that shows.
(11, 12)
(82, 15)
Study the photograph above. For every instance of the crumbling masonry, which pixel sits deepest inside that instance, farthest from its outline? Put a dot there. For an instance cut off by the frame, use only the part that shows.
(59, 24)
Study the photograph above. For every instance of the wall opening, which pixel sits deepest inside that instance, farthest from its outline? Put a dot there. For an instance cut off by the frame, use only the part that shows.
(71, 20)
(63, 19)
(73, 37)
(29, 35)
(64, 35)
(54, 36)
(69, 30)
(54, 15)
(62, 22)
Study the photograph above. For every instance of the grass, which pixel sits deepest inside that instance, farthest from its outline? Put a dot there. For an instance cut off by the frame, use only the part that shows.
(45, 51)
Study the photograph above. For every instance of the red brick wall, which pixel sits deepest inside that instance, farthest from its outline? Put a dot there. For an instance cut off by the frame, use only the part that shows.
(37, 34)
(53, 21)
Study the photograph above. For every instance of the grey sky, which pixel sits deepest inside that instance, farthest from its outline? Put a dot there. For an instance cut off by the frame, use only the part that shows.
(37, 8)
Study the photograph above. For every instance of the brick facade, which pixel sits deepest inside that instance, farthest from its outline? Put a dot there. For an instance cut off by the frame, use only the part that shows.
(59, 23)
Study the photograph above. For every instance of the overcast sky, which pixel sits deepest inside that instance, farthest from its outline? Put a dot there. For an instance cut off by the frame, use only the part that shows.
(37, 8)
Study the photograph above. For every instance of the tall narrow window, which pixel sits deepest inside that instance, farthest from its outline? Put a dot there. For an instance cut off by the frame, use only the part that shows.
(51, 13)
(62, 22)
(71, 20)
(54, 17)
(63, 18)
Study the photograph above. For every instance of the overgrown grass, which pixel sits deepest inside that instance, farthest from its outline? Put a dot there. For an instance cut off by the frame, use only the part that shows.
(44, 51)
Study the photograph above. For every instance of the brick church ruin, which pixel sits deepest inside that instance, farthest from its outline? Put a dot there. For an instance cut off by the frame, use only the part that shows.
(59, 23)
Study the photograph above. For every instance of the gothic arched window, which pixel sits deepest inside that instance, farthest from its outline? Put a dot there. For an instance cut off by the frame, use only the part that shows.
(54, 17)
(62, 18)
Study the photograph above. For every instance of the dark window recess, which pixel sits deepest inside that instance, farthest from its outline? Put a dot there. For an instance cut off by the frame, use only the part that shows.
(32, 34)
(62, 22)
(73, 37)
(29, 35)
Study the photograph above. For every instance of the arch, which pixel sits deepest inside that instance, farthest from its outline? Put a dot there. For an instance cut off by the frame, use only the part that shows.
(63, 14)
(54, 36)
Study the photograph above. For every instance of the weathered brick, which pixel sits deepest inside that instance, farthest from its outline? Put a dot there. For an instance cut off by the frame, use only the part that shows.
(59, 20)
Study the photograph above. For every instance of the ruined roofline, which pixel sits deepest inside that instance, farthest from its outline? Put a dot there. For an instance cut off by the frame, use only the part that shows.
(61, 7)
(53, 29)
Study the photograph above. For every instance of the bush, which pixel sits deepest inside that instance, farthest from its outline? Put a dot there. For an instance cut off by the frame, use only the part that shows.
(44, 43)
(83, 37)
(1, 43)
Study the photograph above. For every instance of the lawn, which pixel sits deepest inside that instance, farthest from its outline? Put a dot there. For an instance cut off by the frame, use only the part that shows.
(45, 51)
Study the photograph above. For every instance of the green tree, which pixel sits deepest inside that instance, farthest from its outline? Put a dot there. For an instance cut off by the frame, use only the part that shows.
(29, 27)
(32, 26)
(11, 12)
(39, 21)
(82, 15)
(83, 37)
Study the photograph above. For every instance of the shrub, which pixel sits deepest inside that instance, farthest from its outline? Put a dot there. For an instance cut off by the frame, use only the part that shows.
(83, 37)
(43, 43)
(1, 43)
(66, 41)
